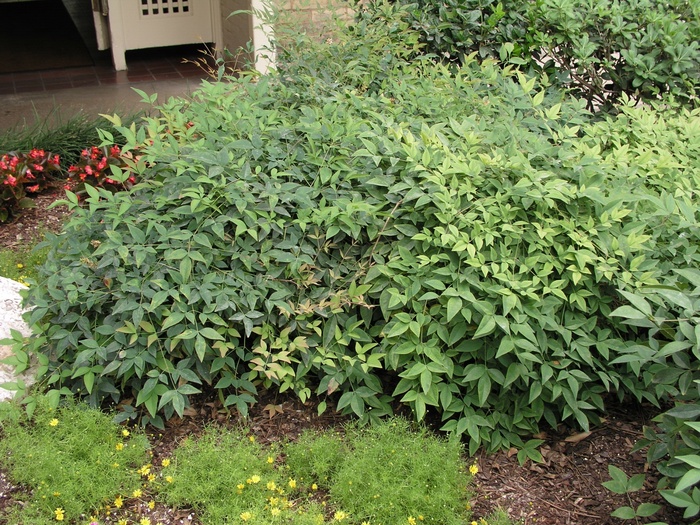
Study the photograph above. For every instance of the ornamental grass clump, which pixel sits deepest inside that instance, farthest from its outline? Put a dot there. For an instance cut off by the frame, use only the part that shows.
(68, 461)
(64, 135)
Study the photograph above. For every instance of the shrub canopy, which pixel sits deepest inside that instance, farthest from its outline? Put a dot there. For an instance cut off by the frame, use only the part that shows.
(599, 50)
(372, 231)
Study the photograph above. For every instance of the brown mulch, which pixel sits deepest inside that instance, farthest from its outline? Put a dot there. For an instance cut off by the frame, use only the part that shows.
(564, 489)
(31, 223)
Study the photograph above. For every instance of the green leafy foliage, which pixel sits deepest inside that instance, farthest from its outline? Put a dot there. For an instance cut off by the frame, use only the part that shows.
(598, 50)
(396, 232)
(669, 360)
(622, 484)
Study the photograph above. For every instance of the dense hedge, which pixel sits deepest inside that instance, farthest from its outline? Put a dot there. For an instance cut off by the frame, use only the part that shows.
(394, 232)
(599, 50)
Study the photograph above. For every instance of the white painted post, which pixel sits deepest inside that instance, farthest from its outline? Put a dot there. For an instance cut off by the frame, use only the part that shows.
(262, 32)
(116, 29)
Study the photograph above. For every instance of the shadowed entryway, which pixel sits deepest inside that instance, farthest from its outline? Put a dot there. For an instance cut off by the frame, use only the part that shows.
(40, 35)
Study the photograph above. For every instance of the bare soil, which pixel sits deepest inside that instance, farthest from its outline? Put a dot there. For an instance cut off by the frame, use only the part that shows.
(565, 489)
(30, 224)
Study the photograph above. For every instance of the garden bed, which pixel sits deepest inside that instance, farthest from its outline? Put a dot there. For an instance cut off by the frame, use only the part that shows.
(565, 489)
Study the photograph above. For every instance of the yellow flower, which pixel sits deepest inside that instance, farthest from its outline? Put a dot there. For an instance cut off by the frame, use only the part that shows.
(473, 523)
(275, 511)
(169, 479)
(145, 470)
(314, 487)
(252, 440)
(118, 502)
(137, 493)
(245, 516)
(59, 514)
(151, 477)
(365, 523)
(56, 494)
(271, 485)
(145, 521)
(165, 462)
(119, 446)
(411, 520)
(151, 504)
(273, 501)
(53, 423)
(474, 469)
(292, 483)
(339, 515)
(121, 522)
(20, 265)
(270, 459)
(125, 433)
(240, 486)
(420, 518)
(254, 479)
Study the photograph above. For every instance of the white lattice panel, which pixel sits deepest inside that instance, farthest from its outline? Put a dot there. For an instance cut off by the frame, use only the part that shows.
(164, 7)
(139, 24)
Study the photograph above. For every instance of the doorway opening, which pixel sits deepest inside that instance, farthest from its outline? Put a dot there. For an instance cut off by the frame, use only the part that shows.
(44, 34)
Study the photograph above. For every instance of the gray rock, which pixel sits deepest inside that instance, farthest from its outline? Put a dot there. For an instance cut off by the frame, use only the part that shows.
(10, 319)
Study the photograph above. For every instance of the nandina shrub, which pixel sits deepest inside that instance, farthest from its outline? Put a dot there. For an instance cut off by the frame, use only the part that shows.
(452, 240)
(22, 173)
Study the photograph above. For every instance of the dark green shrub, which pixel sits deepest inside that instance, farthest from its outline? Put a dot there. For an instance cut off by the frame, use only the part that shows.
(454, 29)
(669, 362)
(450, 240)
(674, 447)
(598, 50)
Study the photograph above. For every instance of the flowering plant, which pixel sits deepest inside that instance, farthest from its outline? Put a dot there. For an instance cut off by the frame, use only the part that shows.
(100, 168)
(22, 173)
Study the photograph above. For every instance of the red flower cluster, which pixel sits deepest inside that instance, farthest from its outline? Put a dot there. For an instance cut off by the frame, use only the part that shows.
(28, 168)
(94, 168)
(22, 173)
